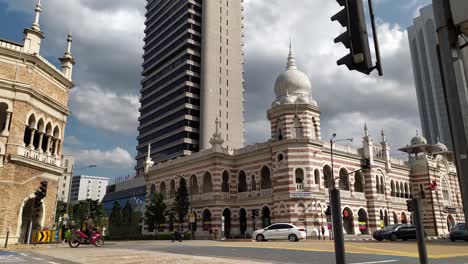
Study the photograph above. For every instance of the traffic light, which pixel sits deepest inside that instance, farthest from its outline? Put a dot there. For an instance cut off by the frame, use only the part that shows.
(355, 37)
(366, 164)
(328, 211)
(41, 192)
(410, 205)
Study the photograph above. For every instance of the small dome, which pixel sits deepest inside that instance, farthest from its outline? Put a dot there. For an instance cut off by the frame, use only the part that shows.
(292, 81)
(439, 147)
(287, 100)
(418, 140)
(302, 100)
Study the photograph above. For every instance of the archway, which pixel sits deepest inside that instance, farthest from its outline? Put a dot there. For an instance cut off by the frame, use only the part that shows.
(242, 221)
(381, 219)
(348, 221)
(344, 179)
(450, 222)
(404, 219)
(206, 220)
(194, 224)
(266, 219)
(317, 177)
(363, 222)
(265, 182)
(194, 189)
(386, 218)
(28, 215)
(227, 222)
(225, 183)
(207, 183)
(327, 175)
(395, 218)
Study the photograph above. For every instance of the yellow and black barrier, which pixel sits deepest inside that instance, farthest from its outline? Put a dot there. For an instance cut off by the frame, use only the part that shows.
(48, 236)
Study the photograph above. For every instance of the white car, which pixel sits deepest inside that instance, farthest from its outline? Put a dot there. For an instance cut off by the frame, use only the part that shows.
(280, 231)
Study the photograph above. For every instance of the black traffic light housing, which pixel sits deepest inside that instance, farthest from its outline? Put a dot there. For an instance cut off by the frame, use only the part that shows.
(328, 211)
(40, 193)
(355, 37)
(410, 205)
(365, 165)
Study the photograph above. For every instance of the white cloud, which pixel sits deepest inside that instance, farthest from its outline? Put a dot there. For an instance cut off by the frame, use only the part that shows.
(105, 110)
(72, 140)
(117, 158)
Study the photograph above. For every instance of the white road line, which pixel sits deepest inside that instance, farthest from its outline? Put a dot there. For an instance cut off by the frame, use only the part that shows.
(376, 262)
(51, 262)
(36, 258)
(22, 254)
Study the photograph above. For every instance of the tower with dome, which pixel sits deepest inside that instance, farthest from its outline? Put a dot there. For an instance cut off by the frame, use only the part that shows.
(287, 178)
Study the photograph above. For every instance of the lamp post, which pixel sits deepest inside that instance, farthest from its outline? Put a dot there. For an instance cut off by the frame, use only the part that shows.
(336, 209)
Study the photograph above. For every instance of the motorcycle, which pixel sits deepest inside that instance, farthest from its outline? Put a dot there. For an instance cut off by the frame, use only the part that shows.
(79, 238)
(177, 236)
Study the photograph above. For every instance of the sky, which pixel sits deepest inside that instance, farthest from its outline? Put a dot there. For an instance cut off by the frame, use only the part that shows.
(107, 46)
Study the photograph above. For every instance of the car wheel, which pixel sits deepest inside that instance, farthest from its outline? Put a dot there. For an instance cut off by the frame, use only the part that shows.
(393, 237)
(260, 238)
(292, 238)
(378, 238)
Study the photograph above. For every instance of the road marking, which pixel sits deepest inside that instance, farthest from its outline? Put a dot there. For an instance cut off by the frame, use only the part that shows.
(376, 262)
(36, 258)
(22, 254)
(51, 262)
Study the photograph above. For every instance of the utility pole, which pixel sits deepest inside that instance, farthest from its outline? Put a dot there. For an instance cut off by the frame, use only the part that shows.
(448, 45)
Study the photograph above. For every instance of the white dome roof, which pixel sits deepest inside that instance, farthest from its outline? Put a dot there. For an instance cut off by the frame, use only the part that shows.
(418, 140)
(292, 83)
(439, 147)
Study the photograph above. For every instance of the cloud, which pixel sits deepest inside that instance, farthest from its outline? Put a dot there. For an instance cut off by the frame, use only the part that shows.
(115, 158)
(105, 110)
(72, 140)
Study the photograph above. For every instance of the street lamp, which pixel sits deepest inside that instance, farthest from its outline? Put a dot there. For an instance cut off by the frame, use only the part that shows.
(336, 208)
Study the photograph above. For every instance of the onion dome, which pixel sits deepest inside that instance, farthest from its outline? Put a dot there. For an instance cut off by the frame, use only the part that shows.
(439, 147)
(418, 140)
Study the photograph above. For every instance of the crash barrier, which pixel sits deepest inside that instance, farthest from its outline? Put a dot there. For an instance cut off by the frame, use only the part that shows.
(47, 236)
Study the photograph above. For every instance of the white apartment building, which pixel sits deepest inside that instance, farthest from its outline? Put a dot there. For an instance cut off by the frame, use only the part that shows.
(63, 188)
(88, 187)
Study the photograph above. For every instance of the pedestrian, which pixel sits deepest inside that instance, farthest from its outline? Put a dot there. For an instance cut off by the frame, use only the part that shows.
(210, 233)
(216, 233)
(323, 232)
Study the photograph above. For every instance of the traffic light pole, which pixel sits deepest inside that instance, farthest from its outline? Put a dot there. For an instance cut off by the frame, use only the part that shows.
(378, 64)
(448, 45)
(420, 234)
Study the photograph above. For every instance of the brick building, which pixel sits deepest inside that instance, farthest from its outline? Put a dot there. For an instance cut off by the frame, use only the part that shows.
(287, 178)
(33, 114)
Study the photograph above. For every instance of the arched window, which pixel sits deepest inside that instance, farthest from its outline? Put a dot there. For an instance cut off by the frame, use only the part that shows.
(382, 185)
(265, 178)
(194, 189)
(377, 180)
(317, 177)
(225, 184)
(242, 182)
(392, 188)
(207, 183)
(173, 189)
(402, 190)
(298, 131)
(3, 117)
(397, 191)
(358, 182)
(446, 191)
(253, 183)
(152, 188)
(206, 222)
(327, 176)
(407, 192)
(279, 130)
(299, 179)
(162, 188)
(344, 179)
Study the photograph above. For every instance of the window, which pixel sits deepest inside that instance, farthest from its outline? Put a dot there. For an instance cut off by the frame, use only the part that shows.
(445, 191)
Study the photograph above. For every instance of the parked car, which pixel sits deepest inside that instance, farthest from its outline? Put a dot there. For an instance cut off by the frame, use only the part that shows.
(395, 232)
(459, 232)
(280, 231)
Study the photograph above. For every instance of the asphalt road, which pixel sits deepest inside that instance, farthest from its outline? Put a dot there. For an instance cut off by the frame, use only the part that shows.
(26, 258)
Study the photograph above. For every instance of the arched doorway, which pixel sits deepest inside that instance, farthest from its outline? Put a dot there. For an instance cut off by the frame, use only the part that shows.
(327, 175)
(348, 221)
(363, 222)
(206, 221)
(242, 221)
(30, 214)
(404, 219)
(450, 222)
(386, 218)
(266, 219)
(395, 218)
(194, 224)
(227, 222)
(381, 219)
(242, 182)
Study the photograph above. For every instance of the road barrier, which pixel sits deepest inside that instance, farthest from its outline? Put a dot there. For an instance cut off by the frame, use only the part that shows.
(46, 237)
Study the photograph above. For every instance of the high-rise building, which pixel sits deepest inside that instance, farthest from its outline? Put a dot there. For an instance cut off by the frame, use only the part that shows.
(193, 75)
(429, 80)
(63, 191)
(88, 187)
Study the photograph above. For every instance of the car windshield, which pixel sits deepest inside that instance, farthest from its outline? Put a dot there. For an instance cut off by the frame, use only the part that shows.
(391, 227)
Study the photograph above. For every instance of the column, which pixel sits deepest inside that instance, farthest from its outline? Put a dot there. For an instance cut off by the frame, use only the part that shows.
(48, 144)
(57, 142)
(41, 136)
(6, 129)
(31, 138)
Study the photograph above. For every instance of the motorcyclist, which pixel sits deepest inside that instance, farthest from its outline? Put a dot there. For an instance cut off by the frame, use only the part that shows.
(88, 227)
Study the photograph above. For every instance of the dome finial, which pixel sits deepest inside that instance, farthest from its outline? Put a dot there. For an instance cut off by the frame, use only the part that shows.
(366, 131)
(291, 65)
(417, 132)
(38, 10)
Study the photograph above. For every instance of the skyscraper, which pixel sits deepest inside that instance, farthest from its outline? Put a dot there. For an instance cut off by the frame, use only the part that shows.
(428, 80)
(192, 75)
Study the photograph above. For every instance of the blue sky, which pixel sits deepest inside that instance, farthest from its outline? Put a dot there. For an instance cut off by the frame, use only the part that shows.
(107, 47)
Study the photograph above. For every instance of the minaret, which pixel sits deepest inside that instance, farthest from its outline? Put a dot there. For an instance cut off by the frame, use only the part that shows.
(68, 61)
(148, 162)
(216, 140)
(33, 35)
(367, 145)
(386, 152)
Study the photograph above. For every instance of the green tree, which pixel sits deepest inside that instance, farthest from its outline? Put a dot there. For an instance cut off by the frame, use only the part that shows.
(155, 212)
(182, 203)
(60, 210)
(115, 220)
(92, 209)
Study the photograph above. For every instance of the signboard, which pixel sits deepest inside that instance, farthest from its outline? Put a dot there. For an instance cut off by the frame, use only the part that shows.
(450, 210)
(300, 195)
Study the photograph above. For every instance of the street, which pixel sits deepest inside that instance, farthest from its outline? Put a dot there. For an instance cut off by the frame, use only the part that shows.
(358, 252)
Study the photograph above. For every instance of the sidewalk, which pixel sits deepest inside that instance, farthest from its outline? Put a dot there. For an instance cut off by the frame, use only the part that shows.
(32, 246)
